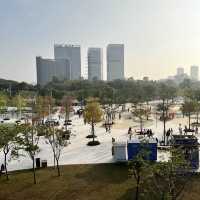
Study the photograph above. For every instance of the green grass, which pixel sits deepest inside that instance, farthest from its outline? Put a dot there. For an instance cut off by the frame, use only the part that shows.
(79, 182)
(85, 182)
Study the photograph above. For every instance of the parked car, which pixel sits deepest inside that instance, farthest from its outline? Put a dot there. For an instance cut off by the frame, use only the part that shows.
(6, 119)
(55, 122)
(18, 121)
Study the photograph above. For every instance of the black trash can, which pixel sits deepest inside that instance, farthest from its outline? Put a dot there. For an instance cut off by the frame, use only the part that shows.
(44, 163)
(37, 161)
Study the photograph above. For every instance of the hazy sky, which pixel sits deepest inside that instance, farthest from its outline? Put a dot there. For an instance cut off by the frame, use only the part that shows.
(159, 35)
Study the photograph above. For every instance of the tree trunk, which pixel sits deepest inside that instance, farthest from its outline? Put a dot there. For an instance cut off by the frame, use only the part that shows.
(137, 189)
(5, 163)
(173, 196)
(93, 131)
(167, 108)
(58, 168)
(20, 113)
(163, 196)
(66, 117)
(33, 159)
(54, 157)
(164, 121)
(141, 118)
(189, 120)
(197, 118)
(147, 111)
(34, 176)
(141, 125)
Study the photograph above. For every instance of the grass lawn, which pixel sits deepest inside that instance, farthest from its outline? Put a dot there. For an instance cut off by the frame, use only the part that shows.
(79, 182)
(83, 182)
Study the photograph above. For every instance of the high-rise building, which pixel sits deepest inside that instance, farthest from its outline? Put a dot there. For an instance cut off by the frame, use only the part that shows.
(47, 69)
(95, 64)
(194, 73)
(73, 54)
(115, 61)
(180, 71)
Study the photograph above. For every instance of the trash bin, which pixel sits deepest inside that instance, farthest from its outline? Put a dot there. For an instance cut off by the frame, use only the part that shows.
(37, 160)
(44, 163)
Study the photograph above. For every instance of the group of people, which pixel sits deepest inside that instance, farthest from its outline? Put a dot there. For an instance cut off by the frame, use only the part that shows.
(147, 132)
(186, 130)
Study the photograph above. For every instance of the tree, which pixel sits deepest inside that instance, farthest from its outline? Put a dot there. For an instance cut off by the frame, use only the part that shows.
(67, 106)
(164, 107)
(8, 143)
(197, 111)
(38, 107)
(140, 169)
(92, 115)
(140, 113)
(163, 180)
(170, 177)
(58, 140)
(19, 102)
(149, 92)
(28, 139)
(43, 106)
(3, 102)
(166, 94)
(188, 107)
(49, 102)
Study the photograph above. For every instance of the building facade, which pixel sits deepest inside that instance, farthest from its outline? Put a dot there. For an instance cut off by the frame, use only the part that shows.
(194, 73)
(180, 71)
(73, 54)
(115, 62)
(95, 64)
(47, 69)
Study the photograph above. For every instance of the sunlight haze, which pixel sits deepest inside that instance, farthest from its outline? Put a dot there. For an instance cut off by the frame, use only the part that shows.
(158, 35)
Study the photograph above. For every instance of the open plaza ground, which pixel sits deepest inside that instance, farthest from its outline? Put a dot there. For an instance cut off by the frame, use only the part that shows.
(77, 151)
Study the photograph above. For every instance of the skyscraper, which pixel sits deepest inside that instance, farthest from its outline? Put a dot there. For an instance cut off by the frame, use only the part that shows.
(180, 71)
(73, 54)
(115, 61)
(95, 64)
(49, 68)
(194, 73)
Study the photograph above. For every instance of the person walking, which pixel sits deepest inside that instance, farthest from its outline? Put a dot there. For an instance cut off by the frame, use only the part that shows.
(130, 133)
(196, 130)
(150, 133)
(180, 129)
(156, 139)
(106, 127)
(120, 116)
(185, 130)
(168, 134)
